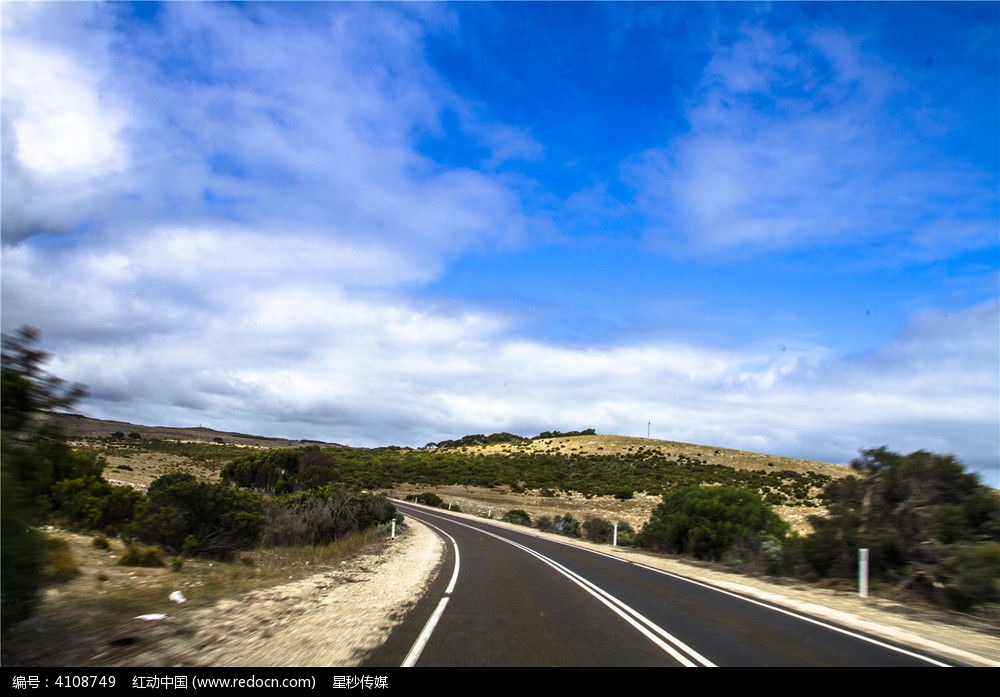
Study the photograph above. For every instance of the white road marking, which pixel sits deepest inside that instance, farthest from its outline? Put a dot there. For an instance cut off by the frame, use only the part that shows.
(670, 644)
(418, 646)
(655, 628)
(804, 618)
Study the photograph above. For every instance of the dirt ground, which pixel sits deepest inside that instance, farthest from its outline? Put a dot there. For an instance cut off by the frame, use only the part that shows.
(200, 615)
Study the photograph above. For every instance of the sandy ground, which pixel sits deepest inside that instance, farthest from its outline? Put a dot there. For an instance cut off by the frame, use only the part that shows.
(329, 619)
(333, 618)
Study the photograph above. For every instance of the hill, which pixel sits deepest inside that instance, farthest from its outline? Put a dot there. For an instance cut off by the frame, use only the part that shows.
(585, 474)
(623, 446)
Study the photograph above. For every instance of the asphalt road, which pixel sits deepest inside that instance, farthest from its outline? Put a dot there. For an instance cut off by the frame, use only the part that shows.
(505, 598)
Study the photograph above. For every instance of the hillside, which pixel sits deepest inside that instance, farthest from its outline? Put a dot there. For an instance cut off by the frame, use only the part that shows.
(626, 445)
(615, 477)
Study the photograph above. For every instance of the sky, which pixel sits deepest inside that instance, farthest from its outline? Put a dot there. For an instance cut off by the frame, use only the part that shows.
(771, 227)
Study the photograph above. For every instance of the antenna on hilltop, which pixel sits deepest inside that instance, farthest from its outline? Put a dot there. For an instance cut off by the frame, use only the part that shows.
(648, 424)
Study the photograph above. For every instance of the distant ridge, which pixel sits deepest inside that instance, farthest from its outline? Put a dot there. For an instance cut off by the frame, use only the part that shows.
(80, 426)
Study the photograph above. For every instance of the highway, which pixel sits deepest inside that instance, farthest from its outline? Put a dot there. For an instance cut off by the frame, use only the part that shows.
(506, 598)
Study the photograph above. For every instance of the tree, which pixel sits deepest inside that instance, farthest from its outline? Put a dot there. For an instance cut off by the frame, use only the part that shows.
(27, 389)
(30, 461)
(921, 516)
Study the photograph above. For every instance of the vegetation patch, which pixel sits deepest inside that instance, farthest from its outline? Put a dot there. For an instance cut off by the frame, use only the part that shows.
(707, 522)
(141, 555)
(517, 517)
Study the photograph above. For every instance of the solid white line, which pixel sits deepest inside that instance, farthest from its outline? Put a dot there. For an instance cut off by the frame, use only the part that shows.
(425, 634)
(804, 618)
(630, 615)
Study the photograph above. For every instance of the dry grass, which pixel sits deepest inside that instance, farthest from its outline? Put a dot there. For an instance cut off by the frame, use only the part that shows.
(627, 445)
(98, 604)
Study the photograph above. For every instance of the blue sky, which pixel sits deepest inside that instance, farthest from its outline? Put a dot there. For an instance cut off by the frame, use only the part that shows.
(762, 226)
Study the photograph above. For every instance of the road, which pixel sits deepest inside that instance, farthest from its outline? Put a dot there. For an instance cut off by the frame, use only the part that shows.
(506, 598)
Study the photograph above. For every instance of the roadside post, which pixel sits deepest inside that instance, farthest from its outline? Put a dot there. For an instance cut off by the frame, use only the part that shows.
(863, 572)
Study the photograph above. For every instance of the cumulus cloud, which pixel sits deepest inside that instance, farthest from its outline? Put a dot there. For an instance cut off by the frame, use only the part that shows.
(298, 125)
(63, 126)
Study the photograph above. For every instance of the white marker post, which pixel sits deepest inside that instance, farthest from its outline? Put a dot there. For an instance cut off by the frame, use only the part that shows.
(863, 572)
(614, 541)
(392, 533)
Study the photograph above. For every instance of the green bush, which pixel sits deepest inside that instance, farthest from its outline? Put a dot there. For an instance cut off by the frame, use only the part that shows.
(601, 530)
(31, 460)
(563, 524)
(187, 516)
(626, 535)
(974, 575)
(428, 499)
(598, 530)
(517, 516)
(92, 503)
(707, 521)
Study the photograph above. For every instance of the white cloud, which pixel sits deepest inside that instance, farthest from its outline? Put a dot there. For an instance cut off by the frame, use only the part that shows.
(61, 119)
(247, 270)
(297, 125)
(63, 125)
(800, 139)
(302, 356)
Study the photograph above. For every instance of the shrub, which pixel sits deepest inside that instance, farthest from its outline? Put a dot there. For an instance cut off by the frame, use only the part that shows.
(912, 512)
(428, 499)
(323, 514)
(59, 564)
(626, 535)
(101, 542)
(598, 529)
(185, 515)
(92, 503)
(707, 521)
(29, 459)
(517, 516)
(974, 572)
(141, 556)
(566, 525)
